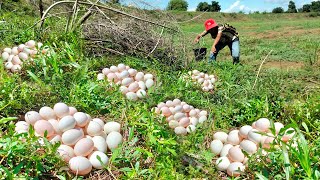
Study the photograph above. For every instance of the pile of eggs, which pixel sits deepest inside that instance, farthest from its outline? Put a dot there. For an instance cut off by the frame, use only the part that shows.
(230, 147)
(183, 118)
(82, 138)
(206, 81)
(14, 57)
(133, 84)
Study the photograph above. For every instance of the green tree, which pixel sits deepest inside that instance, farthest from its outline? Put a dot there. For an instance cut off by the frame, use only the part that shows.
(215, 7)
(306, 8)
(292, 7)
(178, 5)
(315, 6)
(278, 10)
(114, 1)
(203, 6)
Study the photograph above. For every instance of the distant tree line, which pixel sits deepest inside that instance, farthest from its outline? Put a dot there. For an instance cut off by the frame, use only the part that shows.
(213, 7)
(313, 7)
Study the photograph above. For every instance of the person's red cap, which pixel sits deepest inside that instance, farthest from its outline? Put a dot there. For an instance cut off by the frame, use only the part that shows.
(210, 23)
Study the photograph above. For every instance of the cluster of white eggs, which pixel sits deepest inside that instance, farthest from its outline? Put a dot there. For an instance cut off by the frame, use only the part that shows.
(16, 56)
(205, 80)
(82, 138)
(230, 147)
(183, 118)
(133, 84)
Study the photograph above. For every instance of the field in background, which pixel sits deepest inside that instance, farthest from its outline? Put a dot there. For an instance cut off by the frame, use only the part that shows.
(287, 90)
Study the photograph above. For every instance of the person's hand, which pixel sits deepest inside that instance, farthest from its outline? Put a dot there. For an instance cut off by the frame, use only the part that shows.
(213, 49)
(196, 40)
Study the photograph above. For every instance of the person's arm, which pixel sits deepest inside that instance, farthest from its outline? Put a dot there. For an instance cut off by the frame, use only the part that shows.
(213, 49)
(200, 36)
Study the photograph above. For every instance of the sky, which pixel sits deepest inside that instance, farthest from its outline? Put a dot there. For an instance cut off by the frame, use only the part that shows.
(236, 5)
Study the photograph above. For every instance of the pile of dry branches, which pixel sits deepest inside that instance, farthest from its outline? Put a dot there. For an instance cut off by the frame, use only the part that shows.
(124, 30)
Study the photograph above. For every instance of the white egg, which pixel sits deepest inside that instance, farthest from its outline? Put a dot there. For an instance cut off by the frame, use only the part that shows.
(176, 102)
(99, 121)
(149, 83)
(262, 124)
(288, 134)
(81, 119)
(23, 56)
(184, 122)
(31, 44)
(132, 96)
(133, 87)
(16, 60)
(114, 69)
(43, 127)
(113, 140)
(278, 126)
(193, 113)
(216, 146)
(169, 103)
(254, 136)
(61, 110)
(161, 105)
(66, 152)
(141, 93)
(132, 72)
(235, 154)
(83, 147)
(5, 56)
(202, 119)
(203, 113)
(191, 128)
(21, 125)
(194, 121)
(8, 65)
(14, 51)
(15, 68)
(222, 136)
(234, 138)
(8, 50)
(27, 50)
(121, 67)
(112, 126)
(222, 163)
(66, 123)
(244, 130)
(106, 71)
(80, 165)
(267, 142)
(124, 74)
(139, 76)
(127, 81)
(142, 85)
(32, 117)
(100, 144)
(173, 124)
(55, 125)
(72, 110)
(179, 116)
(93, 128)
(55, 139)
(225, 150)
(71, 137)
(248, 146)
(47, 113)
(180, 130)
(94, 159)
(101, 76)
(234, 168)
(148, 76)
(177, 109)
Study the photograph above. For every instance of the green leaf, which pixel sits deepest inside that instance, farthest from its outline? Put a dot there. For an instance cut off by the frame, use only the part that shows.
(5, 120)
(18, 168)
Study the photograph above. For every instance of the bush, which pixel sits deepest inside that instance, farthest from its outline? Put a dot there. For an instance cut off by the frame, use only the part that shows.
(278, 10)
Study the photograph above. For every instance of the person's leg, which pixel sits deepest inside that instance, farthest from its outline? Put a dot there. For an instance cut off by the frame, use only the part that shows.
(235, 51)
(213, 56)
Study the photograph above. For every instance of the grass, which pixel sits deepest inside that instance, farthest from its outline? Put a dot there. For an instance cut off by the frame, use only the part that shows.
(151, 150)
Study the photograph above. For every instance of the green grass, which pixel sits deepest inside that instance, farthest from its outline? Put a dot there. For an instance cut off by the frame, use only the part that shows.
(151, 150)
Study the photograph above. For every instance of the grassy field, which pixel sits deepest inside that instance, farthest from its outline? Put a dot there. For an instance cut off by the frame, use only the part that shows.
(287, 90)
